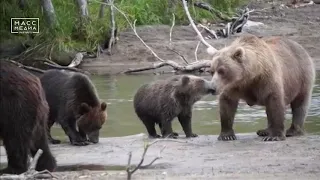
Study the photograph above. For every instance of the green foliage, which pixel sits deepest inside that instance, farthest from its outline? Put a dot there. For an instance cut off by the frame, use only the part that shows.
(71, 35)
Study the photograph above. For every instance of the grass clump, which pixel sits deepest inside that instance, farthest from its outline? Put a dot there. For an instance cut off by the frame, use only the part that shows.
(69, 35)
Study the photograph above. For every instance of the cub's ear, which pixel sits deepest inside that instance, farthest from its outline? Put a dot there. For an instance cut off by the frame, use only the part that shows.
(103, 106)
(185, 80)
(238, 54)
(84, 108)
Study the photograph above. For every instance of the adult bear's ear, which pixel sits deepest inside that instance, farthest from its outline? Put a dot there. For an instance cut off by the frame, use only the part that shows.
(185, 80)
(103, 106)
(84, 108)
(238, 54)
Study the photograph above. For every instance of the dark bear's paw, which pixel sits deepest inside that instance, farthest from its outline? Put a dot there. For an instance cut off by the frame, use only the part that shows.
(154, 136)
(55, 141)
(192, 135)
(227, 136)
(10, 170)
(172, 136)
(80, 143)
(175, 134)
(263, 132)
(294, 132)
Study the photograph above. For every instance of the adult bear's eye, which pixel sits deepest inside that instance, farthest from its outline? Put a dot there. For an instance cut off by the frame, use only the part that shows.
(211, 72)
(221, 71)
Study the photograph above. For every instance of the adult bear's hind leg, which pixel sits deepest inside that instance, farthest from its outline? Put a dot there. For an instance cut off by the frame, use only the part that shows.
(299, 108)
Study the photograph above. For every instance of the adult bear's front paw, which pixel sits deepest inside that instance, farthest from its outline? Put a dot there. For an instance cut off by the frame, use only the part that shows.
(274, 136)
(227, 136)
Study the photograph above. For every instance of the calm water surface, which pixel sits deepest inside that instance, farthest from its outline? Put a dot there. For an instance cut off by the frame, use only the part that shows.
(118, 92)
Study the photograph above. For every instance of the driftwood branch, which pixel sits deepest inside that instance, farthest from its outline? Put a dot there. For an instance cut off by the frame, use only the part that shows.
(210, 49)
(76, 60)
(31, 173)
(25, 67)
(188, 68)
(66, 68)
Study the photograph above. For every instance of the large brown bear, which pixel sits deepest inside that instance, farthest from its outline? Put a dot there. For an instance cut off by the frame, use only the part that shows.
(271, 72)
(73, 102)
(23, 120)
(159, 102)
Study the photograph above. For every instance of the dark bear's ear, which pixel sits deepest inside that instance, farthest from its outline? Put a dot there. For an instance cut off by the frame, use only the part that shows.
(84, 108)
(185, 80)
(238, 54)
(103, 106)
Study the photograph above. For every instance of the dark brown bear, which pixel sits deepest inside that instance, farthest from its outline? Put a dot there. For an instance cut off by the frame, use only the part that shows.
(73, 102)
(161, 101)
(23, 120)
(272, 72)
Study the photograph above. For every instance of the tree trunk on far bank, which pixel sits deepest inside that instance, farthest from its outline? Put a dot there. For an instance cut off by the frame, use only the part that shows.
(83, 8)
(49, 12)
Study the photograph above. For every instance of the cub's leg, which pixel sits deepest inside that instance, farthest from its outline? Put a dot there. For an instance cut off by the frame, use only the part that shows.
(185, 121)
(166, 129)
(150, 126)
(227, 108)
(174, 133)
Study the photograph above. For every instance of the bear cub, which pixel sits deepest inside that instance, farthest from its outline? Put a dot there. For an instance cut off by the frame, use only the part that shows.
(159, 102)
(272, 72)
(74, 103)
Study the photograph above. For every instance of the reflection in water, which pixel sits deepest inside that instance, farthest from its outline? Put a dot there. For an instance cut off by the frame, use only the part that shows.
(118, 92)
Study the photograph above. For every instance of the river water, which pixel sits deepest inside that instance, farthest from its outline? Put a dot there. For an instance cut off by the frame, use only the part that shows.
(118, 92)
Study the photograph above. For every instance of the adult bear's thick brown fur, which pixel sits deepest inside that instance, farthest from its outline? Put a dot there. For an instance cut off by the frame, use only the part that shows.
(23, 119)
(271, 72)
(159, 102)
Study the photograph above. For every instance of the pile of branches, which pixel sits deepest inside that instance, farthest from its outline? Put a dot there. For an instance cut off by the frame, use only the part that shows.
(235, 26)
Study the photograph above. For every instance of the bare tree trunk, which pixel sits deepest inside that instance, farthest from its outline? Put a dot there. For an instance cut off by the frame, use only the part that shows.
(103, 5)
(83, 7)
(49, 12)
(22, 4)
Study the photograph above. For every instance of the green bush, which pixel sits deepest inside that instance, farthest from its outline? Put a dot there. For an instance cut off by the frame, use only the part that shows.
(69, 35)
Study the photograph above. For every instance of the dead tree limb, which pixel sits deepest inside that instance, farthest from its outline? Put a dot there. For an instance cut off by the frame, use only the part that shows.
(76, 60)
(66, 68)
(25, 67)
(196, 51)
(131, 170)
(31, 173)
(210, 49)
(214, 11)
(188, 68)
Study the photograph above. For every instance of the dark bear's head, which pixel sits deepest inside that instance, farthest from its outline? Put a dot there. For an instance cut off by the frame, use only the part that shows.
(193, 87)
(91, 120)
